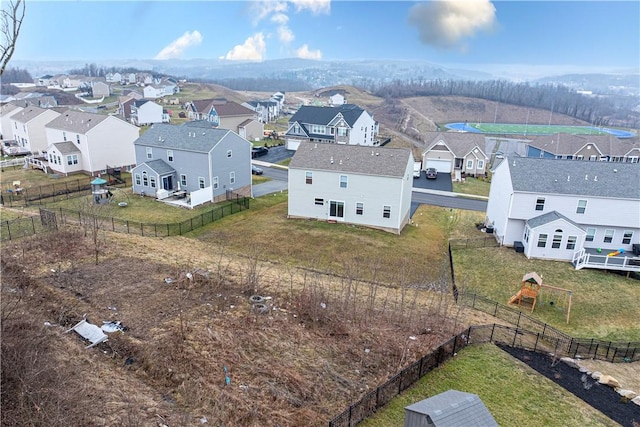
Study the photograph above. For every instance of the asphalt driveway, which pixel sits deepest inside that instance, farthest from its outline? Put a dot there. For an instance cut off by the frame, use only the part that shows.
(441, 183)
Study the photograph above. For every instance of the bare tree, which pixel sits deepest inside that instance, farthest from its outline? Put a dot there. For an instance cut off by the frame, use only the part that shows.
(12, 16)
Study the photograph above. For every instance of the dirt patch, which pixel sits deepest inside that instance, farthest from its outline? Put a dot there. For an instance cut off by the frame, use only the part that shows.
(601, 397)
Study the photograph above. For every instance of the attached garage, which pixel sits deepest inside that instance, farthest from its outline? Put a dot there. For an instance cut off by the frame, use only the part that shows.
(443, 166)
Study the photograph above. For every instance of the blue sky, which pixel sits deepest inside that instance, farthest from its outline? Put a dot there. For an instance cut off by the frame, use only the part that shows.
(585, 35)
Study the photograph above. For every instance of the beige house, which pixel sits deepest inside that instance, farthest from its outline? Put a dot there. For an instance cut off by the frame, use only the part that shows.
(227, 115)
(457, 153)
(600, 148)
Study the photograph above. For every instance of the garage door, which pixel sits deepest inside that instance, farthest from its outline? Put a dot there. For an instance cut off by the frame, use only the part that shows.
(443, 166)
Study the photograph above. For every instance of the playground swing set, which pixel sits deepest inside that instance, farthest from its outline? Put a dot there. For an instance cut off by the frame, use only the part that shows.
(529, 293)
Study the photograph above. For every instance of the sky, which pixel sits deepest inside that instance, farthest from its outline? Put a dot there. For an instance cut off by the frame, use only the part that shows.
(562, 35)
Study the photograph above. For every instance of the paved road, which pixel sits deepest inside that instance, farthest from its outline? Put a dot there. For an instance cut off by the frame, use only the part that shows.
(279, 183)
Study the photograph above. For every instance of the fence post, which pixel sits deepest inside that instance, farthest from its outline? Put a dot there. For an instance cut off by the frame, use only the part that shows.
(495, 312)
(615, 351)
(492, 329)
(608, 347)
(535, 346)
(33, 225)
(455, 343)
(515, 336)
(544, 329)
(519, 316)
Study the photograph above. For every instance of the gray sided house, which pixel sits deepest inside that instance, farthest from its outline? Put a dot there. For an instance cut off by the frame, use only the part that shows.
(452, 408)
(458, 153)
(199, 162)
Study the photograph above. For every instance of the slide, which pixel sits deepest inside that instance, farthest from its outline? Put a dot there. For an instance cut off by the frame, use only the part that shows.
(515, 298)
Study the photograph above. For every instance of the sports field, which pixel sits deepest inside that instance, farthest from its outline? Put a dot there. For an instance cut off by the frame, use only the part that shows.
(526, 129)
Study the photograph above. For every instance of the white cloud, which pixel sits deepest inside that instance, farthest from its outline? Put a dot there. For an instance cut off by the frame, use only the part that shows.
(261, 9)
(315, 6)
(285, 34)
(176, 48)
(447, 23)
(253, 49)
(280, 19)
(305, 53)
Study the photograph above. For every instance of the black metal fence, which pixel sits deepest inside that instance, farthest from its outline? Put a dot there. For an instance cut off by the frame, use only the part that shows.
(11, 230)
(56, 191)
(372, 401)
(478, 242)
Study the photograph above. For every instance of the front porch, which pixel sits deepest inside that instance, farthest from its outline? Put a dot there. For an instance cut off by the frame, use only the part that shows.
(606, 260)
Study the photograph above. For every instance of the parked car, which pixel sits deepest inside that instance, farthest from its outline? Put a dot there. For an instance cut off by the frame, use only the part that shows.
(259, 151)
(432, 173)
(256, 170)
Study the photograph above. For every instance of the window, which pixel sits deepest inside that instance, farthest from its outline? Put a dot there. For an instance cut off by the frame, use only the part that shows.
(593, 158)
(540, 204)
(229, 154)
(480, 164)
(469, 164)
(359, 208)
(591, 234)
(579, 157)
(309, 177)
(232, 177)
(319, 129)
(582, 206)
(145, 179)
(72, 159)
(336, 209)
(200, 182)
(608, 235)
(557, 241)
(343, 181)
(571, 242)
(216, 183)
(64, 136)
(342, 131)
(152, 180)
(149, 153)
(542, 241)
(386, 212)
(170, 155)
(138, 180)
(526, 233)
(319, 201)
(78, 139)
(296, 128)
(627, 235)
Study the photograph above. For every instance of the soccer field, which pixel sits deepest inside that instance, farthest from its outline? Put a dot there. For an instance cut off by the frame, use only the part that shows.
(526, 129)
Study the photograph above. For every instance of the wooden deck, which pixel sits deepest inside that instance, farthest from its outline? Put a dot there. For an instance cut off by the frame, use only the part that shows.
(590, 258)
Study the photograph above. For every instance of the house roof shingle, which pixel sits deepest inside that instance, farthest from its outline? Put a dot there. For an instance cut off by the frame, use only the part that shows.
(308, 114)
(460, 143)
(351, 159)
(76, 121)
(182, 137)
(574, 177)
(230, 108)
(548, 218)
(28, 113)
(67, 147)
(568, 145)
(454, 408)
(159, 166)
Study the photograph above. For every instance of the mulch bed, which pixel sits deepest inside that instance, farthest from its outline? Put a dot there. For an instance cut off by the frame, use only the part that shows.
(600, 396)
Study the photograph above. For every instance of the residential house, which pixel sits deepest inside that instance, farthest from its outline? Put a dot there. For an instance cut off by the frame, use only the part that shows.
(592, 148)
(45, 80)
(98, 142)
(146, 112)
(205, 163)
(29, 127)
(451, 408)
(6, 129)
(564, 209)
(369, 186)
(457, 153)
(266, 111)
(125, 104)
(346, 124)
(114, 78)
(227, 115)
(279, 98)
(336, 99)
(100, 89)
(130, 78)
(153, 92)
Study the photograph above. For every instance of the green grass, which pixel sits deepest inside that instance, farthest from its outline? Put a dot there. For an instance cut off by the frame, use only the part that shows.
(604, 305)
(475, 186)
(514, 393)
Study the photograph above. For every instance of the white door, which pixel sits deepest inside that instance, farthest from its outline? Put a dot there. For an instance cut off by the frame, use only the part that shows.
(443, 166)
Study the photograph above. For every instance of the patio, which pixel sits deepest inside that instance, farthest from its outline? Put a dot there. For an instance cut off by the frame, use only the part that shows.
(606, 260)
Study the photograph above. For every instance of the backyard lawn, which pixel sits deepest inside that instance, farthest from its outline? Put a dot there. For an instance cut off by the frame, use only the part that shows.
(474, 186)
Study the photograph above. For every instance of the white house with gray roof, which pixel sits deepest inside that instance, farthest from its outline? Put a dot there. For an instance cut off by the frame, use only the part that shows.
(369, 186)
(28, 127)
(6, 111)
(344, 124)
(101, 142)
(197, 161)
(456, 153)
(566, 210)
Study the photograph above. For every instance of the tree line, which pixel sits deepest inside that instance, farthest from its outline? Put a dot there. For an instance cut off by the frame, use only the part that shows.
(597, 110)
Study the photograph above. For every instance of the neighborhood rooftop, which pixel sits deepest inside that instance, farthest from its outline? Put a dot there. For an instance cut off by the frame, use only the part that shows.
(460, 143)
(76, 121)
(181, 137)
(324, 115)
(571, 177)
(352, 158)
(568, 144)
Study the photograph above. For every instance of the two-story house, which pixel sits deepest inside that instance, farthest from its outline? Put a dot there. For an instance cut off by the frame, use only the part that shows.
(266, 111)
(557, 209)
(594, 148)
(146, 112)
(225, 114)
(203, 163)
(456, 153)
(346, 124)
(6, 111)
(100, 89)
(28, 127)
(369, 186)
(81, 142)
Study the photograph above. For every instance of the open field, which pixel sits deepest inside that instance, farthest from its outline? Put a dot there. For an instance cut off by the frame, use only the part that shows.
(514, 393)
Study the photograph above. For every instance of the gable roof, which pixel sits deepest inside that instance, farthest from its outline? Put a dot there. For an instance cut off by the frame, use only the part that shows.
(573, 177)
(66, 147)
(454, 408)
(380, 161)
(8, 109)
(562, 144)
(309, 114)
(182, 137)
(159, 166)
(76, 121)
(29, 113)
(460, 143)
(230, 108)
(549, 217)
